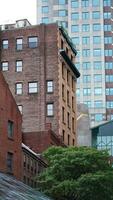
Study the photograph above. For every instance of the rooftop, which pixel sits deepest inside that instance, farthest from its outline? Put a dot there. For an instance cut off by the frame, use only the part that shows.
(11, 189)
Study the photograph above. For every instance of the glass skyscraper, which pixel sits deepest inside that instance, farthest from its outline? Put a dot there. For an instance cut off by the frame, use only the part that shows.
(90, 25)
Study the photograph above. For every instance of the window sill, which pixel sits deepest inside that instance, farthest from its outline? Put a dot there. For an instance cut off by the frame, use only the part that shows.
(49, 92)
(50, 115)
(11, 138)
(32, 93)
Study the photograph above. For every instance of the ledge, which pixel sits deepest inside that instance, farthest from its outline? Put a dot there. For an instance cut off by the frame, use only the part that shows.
(68, 39)
(70, 63)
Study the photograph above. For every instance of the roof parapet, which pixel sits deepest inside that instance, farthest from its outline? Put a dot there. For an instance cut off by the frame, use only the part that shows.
(19, 24)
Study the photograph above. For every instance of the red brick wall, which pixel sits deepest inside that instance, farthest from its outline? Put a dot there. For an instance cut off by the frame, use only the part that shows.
(9, 111)
(39, 64)
(37, 141)
(40, 141)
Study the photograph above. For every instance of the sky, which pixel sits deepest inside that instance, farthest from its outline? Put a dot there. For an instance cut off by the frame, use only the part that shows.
(12, 10)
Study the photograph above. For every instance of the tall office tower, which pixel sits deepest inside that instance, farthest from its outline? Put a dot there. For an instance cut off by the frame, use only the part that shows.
(38, 64)
(90, 25)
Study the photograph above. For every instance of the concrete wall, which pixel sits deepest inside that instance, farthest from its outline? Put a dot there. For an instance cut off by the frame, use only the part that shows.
(83, 126)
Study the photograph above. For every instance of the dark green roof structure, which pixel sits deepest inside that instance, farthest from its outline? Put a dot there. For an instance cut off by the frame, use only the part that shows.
(11, 189)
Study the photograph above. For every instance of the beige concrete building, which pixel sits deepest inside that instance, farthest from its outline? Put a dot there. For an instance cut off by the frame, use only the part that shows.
(83, 126)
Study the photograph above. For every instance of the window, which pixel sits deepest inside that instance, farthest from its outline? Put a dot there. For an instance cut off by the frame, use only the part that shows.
(98, 104)
(85, 15)
(50, 109)
(96, 15)
(63, 135)
(74, 28)
(73, 142)
(33, 87)
(33, 42)
(5, 44)
(19, 88)
(67, 50)
(9, 162)
(108, 52)
(86, 52)
(107, 27)
(45, 9)
(109, 117)
(86, 40)
(5, 66)
(109, 78)
(76, 40)
(74, 3)
(86, 65)
(10, 128)
(96, 52)
(86, 78)
(75, 16)
(45, 20)
(97, 78)
(49, 86)
(85, 3)
(68, 139)
(73, 104)
(96, 40)
(97, 65)
(63, 114)
(20, 107)
(62, 2)
(78, 65)
(68, 120)
(19, 66)
(68, 76)
(107, 2)
(108, 40)
(98, 117)
(19, 44)
(96, 27)
(63, 94)
(109, 91)
(64, 24)
(97, 91)
(78, 92)
(63, 70)
(109, 65)
(62, 13)
(107, 15)
(86, 91)
(85, 27)
(95, 2)
(109, 104)
(88, 103)
(73, 124)
(67, 97)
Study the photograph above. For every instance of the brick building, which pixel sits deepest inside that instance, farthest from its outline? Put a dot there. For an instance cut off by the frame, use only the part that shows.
(38, 64)
(32, 165)
(40, 141)
(10, 132)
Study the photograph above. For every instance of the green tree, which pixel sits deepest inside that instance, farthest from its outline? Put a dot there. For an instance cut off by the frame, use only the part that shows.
(77, 174)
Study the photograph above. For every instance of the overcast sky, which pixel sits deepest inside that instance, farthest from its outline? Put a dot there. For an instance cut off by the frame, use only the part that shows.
(12, 10)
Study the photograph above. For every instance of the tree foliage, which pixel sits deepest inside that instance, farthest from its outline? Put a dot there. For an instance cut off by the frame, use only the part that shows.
(76, 174)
